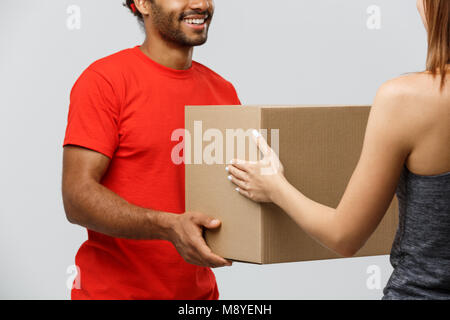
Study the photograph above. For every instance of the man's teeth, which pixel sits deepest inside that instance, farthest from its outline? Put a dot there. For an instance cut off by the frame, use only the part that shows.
(195, 21)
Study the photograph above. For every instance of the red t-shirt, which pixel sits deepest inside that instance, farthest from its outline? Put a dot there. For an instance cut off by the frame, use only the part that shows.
(126, 106)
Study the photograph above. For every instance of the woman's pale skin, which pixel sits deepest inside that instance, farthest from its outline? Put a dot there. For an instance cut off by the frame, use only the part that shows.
(409, 124)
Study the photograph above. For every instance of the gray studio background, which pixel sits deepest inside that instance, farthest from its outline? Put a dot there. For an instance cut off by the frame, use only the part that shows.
(275, 52)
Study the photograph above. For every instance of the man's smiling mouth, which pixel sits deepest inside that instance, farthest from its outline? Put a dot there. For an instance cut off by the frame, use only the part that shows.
(196, 20)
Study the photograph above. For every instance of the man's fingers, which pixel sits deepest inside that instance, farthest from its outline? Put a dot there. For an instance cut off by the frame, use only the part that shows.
(208, 256)
(207, 222)
(213, 223)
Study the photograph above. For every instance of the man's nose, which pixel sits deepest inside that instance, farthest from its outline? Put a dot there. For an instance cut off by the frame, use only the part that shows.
(200, 5)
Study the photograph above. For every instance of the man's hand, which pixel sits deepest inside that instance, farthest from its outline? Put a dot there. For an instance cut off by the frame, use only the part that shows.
(187, 237)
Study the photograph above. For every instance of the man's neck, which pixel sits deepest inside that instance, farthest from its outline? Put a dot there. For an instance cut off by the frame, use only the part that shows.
(167, 54)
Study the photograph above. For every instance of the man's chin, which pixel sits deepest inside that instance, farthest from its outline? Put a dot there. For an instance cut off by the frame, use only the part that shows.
(194, 42)
(200, 42)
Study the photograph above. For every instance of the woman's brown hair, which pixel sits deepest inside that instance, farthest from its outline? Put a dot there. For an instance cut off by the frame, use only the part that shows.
(437, 14)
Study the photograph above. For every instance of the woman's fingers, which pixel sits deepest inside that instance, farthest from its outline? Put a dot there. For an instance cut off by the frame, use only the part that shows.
(261, 143)
(238, 173)
(241, 184)
(243, 192)
(240, 164)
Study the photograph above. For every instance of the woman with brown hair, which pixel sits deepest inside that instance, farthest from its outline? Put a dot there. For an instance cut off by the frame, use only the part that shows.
(406, 151)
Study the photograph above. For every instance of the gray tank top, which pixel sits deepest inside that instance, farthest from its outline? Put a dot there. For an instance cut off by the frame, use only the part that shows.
(420, 253)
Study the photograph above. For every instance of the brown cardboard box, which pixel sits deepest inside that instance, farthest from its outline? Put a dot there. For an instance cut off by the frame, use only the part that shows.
(319, 147)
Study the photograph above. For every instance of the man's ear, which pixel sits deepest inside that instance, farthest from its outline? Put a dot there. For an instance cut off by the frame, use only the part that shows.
(143, 6)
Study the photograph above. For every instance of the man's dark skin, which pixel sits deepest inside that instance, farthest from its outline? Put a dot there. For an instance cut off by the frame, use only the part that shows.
(170, 39)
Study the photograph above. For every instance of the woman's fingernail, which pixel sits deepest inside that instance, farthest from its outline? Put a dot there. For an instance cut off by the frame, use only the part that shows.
(229, 177)
(231, 162)
(237, 189)
(256, 133)
(226, 168)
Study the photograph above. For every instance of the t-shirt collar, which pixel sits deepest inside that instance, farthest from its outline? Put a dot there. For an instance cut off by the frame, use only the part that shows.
(174, 73)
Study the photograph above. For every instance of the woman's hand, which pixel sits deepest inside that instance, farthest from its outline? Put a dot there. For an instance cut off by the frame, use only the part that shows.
(258, 180)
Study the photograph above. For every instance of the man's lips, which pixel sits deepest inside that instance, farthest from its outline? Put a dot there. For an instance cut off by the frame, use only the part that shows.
(197, 16)
(196, 21)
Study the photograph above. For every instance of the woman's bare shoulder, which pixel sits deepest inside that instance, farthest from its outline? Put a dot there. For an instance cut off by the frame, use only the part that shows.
(415, 87)
(397, 95)
(411, 98)
(415, 97)
(414, 102)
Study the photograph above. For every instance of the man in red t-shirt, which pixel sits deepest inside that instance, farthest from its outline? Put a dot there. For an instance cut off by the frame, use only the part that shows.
(118, 177)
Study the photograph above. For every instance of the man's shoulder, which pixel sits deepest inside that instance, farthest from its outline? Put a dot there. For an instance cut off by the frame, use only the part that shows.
(112, 63)
(107, 71)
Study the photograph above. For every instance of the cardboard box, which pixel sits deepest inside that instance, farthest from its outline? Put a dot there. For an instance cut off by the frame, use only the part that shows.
(319, 147)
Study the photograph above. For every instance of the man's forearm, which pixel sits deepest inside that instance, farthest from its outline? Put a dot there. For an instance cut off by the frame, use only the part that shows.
(97, 208)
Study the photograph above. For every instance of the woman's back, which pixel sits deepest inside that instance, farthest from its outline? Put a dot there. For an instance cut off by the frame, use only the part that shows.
(429, 109)
(420, 254)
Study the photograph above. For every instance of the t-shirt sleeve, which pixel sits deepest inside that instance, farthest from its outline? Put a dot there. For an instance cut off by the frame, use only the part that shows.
(93, 120)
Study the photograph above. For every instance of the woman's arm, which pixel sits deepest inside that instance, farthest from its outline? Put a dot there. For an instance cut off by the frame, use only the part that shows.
(369, 193)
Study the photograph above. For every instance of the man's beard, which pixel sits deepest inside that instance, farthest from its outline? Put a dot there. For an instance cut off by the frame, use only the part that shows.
(169, 26)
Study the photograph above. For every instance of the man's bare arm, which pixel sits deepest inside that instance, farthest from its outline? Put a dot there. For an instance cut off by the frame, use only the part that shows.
(91, 205)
